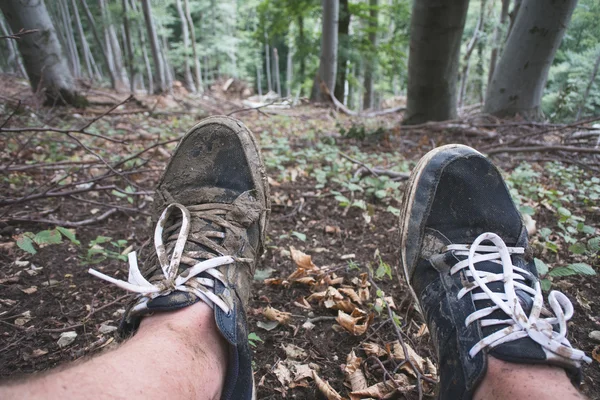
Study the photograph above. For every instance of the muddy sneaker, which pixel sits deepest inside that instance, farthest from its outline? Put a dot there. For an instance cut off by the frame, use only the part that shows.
(463, 250)
(210, 208)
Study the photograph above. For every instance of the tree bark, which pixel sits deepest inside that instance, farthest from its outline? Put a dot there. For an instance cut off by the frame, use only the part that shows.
(371, 64)
(520, 77)
(467, 57)
(343, 37)
(13, 53)
(112, 43)
(185, 33)
(288, 73)
(433, 62)
(301, 46)
(588, 88)
(159, 67)
(496, 38)
(268, 64)
(197, 69)
(329, 44)
(276, 71)
(128, 46)
(41, 51)
(70, 38)
(90, 18)
(85, 47)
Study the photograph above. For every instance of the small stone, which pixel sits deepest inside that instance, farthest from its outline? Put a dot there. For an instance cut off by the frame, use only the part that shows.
(107, 329)
(66, 338)
(595, 336)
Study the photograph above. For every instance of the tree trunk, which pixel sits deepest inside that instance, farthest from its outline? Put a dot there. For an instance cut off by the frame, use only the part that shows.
(197, 69)
(70, 38)
(258, 82)
(433, 62)
(276, 72)
(496, 38)
(588, 88)
(85, 47)
(13, 53)
(467, 58)
(343, 30)
(112, 43)
(520, 77)
(90, 18)
(301, 47)
(288, 73)
(159, 67)
(329, 45)
(185, 33)
(128, 46)
(268, 64)
(371, 64)
(169, 73)
(42, 55)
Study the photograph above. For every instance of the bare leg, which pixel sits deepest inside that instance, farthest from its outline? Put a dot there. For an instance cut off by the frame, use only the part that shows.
(175, 355)
(505, 380)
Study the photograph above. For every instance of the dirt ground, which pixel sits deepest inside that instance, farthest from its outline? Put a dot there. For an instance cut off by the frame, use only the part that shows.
(49, 293)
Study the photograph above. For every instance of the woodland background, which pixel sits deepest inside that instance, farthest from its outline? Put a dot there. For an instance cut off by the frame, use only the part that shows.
(344, 97)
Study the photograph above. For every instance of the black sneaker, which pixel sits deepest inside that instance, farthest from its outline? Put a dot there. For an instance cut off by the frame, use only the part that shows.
(211, 208)
(464, 254)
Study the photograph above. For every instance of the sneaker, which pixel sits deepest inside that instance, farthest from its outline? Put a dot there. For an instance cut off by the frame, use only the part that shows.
(211, 208)
(466, 260)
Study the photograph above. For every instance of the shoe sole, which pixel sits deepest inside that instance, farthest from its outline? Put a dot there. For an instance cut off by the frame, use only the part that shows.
(409, 201)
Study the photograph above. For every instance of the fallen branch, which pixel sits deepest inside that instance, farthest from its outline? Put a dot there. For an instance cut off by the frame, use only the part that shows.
(66, 224)
(69, 132)
(340, 106)
(253, 108)
(538, 149)
(396, 176)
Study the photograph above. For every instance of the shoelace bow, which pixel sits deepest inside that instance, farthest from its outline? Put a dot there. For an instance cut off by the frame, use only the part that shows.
(187, 281)
(520, 324)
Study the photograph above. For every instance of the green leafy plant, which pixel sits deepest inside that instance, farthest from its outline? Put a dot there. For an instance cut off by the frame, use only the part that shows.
(104, 247)
(546, 273)
(253, 339)
(30, 242)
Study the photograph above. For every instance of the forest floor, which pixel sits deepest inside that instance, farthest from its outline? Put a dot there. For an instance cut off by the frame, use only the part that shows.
(336, 184)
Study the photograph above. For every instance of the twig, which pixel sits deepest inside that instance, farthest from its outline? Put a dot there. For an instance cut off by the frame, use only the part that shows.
(362, 172)
(407, 357)
(253, 108)
(69, 132)
(535, 149)
(18, 35)
(362, 164)
(340, 106)
(66, 224)
(321, 319)
(11, 115)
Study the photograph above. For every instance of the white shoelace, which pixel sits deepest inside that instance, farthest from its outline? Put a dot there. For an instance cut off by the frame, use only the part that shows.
(519, 324)
(186, 281)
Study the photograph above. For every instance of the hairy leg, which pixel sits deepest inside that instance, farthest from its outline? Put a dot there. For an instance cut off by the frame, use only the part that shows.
(175, 355)
(505, 380)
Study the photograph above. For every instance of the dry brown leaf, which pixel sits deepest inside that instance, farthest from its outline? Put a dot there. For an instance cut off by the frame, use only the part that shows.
(333, 294)
(303, 371)
(283, 374)
(273, 182)
(398, 354)
(353, 373)
(275, 315)
(596, 353)
(422, 330)
(318, 296)
(30, 290)
(273, 281)
(38, 353)
(302, 260)
(379, 302)
(384, 390)
(293, 351)
(373, 349)
(355, 323)
(431, 368)
(333, 279)
(332, 229)
(344, 305)
(302, 303)
(352, 294)
(326, 389)
(307, 280)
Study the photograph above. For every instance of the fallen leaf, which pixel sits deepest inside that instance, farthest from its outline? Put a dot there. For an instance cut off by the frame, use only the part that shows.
(275, 315)
(355, 323)
(332, 229)
(373, 349)
(302, 260)
(302, 303)
(8, 302)
(325, 388)
(283, 374)
(267, 326)
(273, 182)
(105, 328)
(274, 281)
(38, 353)
(422, 330)
(353, 373)
(352, 294)
(379, 302)
(10, 279)
(398, 354)
(262, 274)
(348, 257)
(383, 390)
(596, 353)
(303, 371)
(30, 290)
(293, 351)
